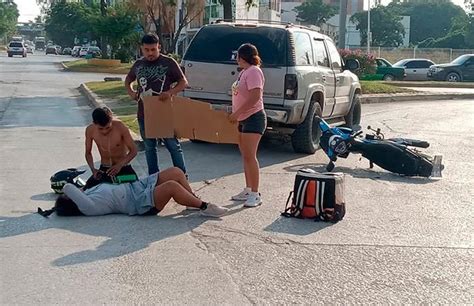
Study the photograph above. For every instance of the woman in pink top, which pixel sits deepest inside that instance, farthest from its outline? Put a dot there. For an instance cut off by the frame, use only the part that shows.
(247, 109)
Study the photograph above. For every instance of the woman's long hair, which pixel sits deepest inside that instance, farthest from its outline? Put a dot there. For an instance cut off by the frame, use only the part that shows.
(249, 53)
(63, 206)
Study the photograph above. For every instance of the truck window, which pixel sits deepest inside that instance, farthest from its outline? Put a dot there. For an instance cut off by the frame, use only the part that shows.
(321, 57)
(218, 44)
(336, 62)
(303, 49)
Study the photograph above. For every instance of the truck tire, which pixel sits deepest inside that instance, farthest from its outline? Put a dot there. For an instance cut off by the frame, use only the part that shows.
(353, 117)
(305, 139)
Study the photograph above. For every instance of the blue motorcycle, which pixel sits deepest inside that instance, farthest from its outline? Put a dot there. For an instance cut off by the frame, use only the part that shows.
(397, 155)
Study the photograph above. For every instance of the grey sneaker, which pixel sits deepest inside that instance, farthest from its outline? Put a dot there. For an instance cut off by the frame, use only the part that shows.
(215, 211)
(242, 196)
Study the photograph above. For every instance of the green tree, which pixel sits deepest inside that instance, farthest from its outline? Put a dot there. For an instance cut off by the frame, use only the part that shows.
(428, 19)
(469, 34)
(67, 20)
(8, 18)
(115, 27)
(385, 25)
(315, 12)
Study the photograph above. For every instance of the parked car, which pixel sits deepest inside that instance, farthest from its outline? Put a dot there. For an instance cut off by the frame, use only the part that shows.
(94, 52)
(59, 49)
(75, 51)
(305, 77)
(416, 69)
(83, 51)
(67, 51)
(51, 50)
(385, 71)
(29, 47)
(16, 48)
(461, 69)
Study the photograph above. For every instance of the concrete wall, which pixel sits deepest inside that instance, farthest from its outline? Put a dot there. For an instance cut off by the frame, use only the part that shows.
(242, 13)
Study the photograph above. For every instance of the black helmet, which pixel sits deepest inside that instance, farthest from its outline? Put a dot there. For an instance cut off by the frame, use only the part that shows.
(61, 178)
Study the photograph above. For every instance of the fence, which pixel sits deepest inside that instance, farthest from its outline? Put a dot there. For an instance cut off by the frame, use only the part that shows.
(437, 55)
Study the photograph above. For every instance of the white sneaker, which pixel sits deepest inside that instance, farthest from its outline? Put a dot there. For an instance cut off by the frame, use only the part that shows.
(242, 196)
(215, 211)
(253, 200)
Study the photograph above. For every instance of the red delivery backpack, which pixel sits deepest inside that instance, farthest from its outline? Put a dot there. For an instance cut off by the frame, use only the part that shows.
(318, 196)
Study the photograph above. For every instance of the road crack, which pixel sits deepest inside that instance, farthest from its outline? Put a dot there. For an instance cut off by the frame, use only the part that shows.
(224, 267)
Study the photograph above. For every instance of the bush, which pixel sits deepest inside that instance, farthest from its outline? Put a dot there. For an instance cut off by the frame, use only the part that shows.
(367, 61)
(125, 55)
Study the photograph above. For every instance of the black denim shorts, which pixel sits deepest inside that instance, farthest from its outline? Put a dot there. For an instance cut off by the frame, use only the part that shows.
(256, 123)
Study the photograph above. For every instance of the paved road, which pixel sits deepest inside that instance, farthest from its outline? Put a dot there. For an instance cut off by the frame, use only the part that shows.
(404, 240)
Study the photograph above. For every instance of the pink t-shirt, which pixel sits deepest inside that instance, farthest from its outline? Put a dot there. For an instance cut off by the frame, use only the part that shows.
(249, 79)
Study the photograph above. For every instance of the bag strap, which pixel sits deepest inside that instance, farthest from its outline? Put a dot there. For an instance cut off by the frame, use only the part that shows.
(287, 212)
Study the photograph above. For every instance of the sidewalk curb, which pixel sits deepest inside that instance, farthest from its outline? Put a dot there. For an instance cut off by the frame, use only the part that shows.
(66, 68)
(429, 84)
(368, 99)
(98, 102)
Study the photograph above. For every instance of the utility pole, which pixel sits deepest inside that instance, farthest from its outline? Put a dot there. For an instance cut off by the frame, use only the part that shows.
(369, 36)
(342, 24)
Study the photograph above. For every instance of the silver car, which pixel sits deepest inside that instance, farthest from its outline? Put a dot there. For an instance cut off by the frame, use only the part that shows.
(305, 77)
(416, 69)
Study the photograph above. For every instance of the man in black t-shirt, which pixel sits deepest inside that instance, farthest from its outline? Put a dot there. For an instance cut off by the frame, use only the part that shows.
(155, 73)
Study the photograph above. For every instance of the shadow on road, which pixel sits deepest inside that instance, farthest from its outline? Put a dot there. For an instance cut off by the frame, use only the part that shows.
(124, 234)
(295, 226)
(44, 112)
(207, 161)
(366, 173)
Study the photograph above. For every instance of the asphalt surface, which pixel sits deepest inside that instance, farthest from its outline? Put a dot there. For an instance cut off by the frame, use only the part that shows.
(403, 240)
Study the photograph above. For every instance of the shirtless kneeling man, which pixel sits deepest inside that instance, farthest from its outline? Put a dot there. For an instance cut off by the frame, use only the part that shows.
(116, 148)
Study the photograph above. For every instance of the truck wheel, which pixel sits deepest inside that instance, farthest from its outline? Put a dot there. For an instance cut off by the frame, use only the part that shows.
(388, 77)
(10, 55)
(353, 117)
(453, 77)
(305, 139)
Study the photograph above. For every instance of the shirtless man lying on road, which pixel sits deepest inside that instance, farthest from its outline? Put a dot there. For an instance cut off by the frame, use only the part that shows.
(116, 148)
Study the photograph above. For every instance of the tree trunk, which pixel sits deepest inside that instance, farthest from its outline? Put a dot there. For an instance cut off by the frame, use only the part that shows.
(103, 42)
(227, 9)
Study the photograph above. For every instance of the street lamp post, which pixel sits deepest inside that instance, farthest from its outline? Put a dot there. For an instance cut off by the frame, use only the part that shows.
(368, 27)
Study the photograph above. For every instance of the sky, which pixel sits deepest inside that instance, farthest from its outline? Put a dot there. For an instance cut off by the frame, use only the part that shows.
(29, 9)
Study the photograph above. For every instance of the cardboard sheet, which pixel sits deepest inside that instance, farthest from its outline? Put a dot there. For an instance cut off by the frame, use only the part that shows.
(187, 118)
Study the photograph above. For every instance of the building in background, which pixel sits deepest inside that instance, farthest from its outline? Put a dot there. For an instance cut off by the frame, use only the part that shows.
(353, 6)
(264, 10)
(331, 27)
(270, 10)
